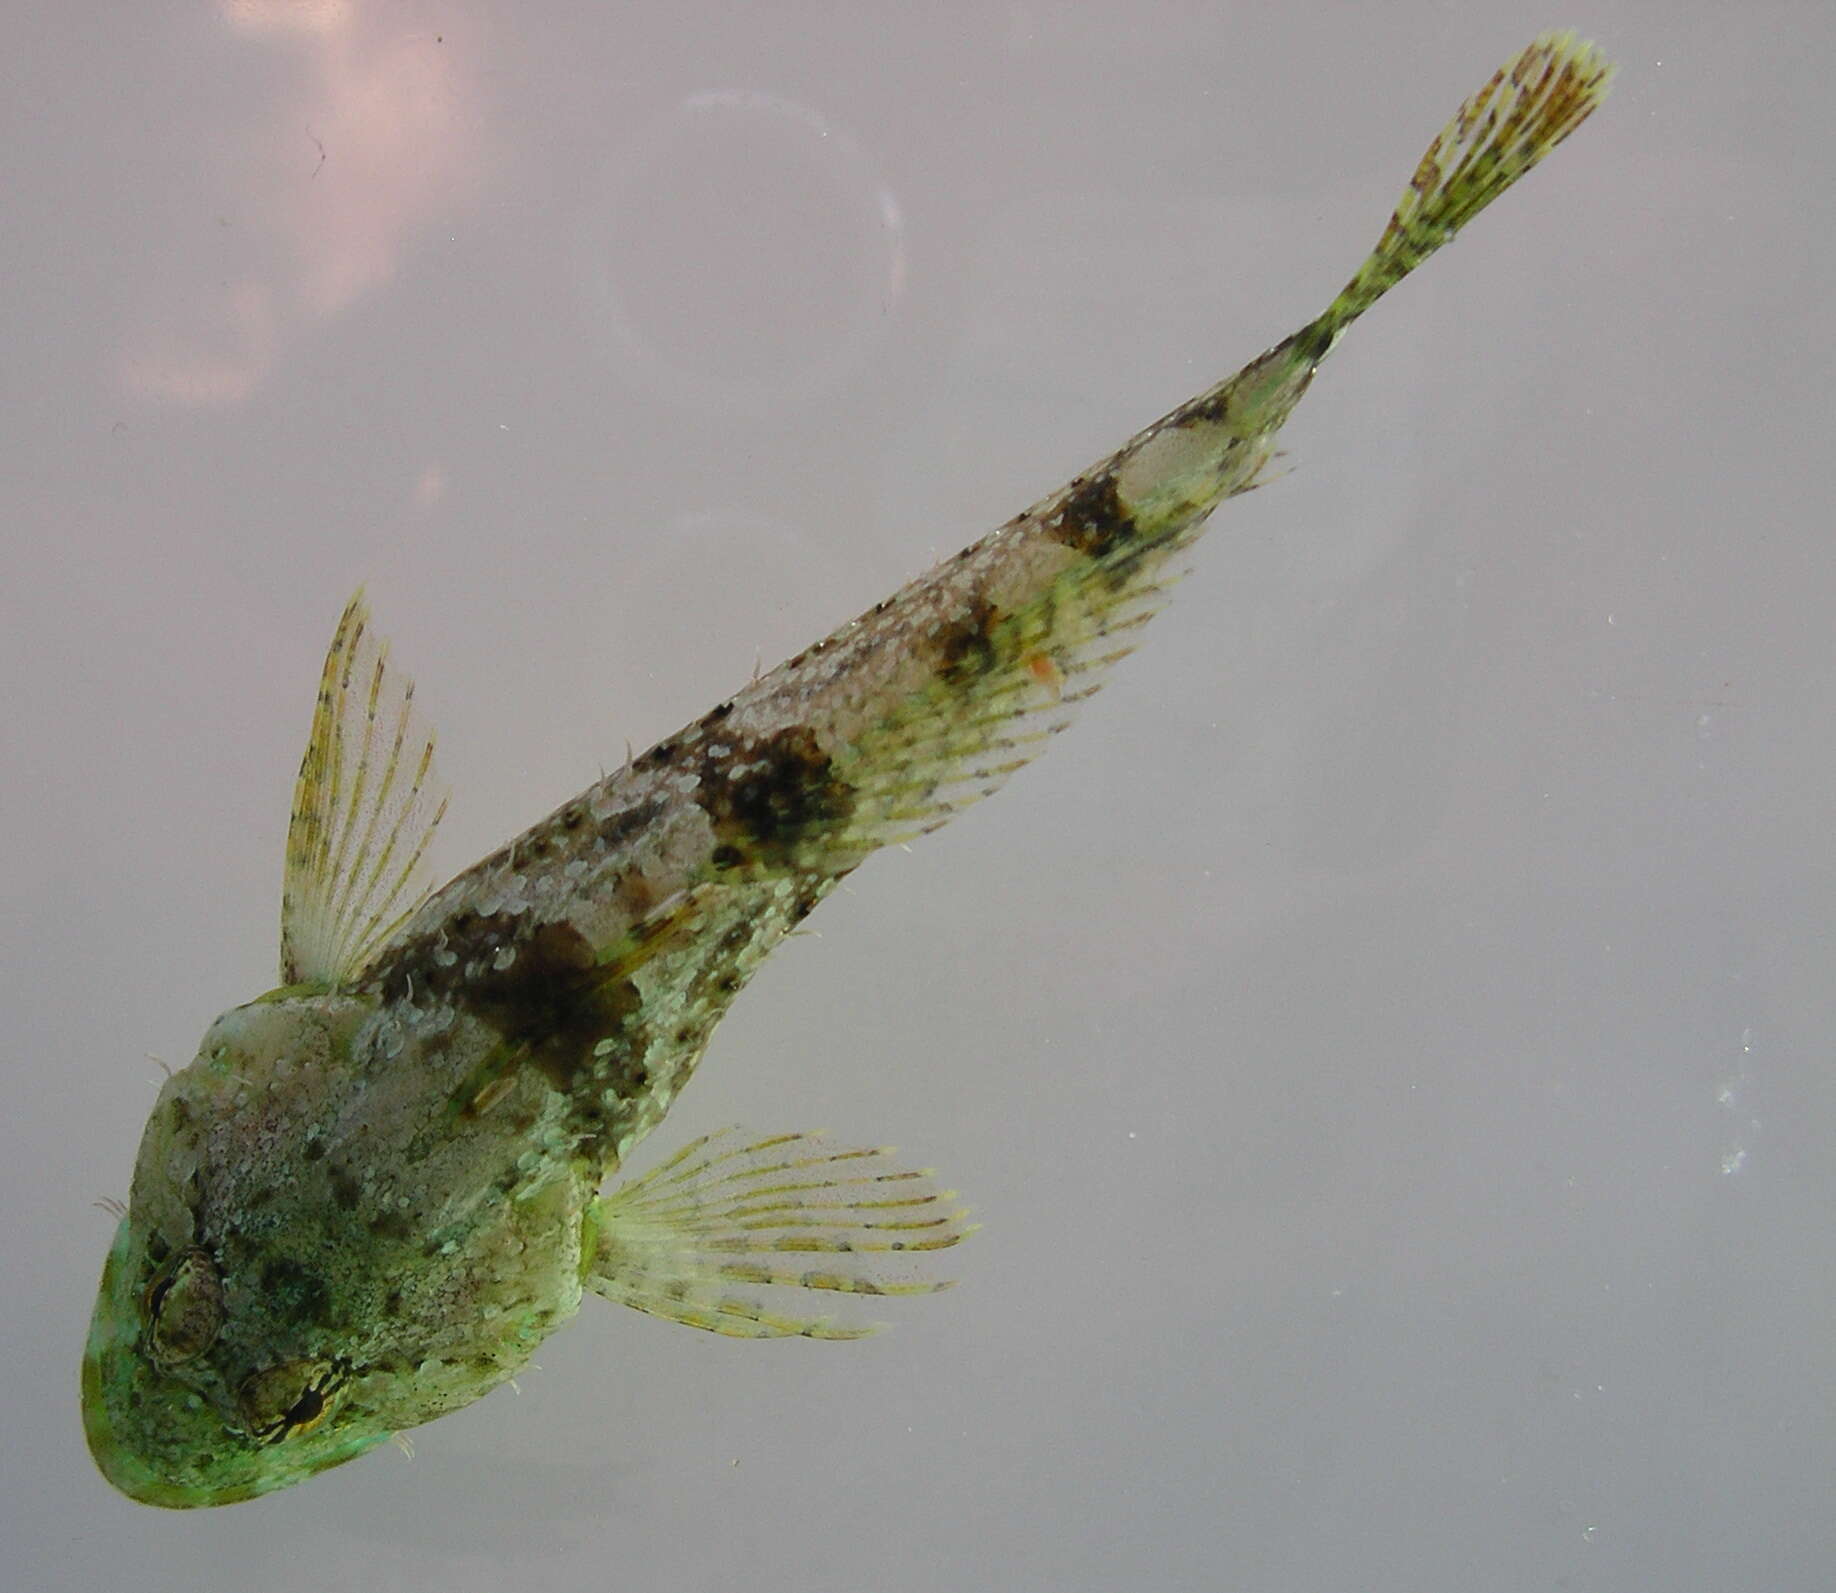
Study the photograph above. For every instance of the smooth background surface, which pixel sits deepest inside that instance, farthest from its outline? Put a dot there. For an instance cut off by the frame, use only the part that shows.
(1389, 1041)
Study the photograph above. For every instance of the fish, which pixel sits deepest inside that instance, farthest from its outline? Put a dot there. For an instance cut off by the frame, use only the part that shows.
(380, 1186)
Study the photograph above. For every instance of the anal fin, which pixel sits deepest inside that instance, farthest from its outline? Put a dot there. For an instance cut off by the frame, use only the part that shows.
(718, 1235)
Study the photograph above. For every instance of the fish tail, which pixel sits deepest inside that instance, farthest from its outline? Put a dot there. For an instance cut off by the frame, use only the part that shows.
(932, 699)
(1219, 443)
(1532, 102)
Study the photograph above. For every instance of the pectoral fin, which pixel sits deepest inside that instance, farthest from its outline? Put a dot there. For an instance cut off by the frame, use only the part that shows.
(715, 1234)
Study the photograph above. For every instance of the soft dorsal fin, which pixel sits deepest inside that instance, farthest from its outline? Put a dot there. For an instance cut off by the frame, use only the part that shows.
(364, 808)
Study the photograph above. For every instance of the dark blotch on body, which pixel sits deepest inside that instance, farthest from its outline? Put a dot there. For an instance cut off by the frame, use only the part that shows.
(784, 792)
(391, 1225)
(553, 1003)
(966, 646)
(661, 756)
(293, 1292)
(1092, 517)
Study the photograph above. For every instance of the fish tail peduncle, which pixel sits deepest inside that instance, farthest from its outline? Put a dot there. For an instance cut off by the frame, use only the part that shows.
(1532, 102)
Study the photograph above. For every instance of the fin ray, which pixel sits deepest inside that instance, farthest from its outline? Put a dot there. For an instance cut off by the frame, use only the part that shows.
(932, 699)
(705, 1238)
(1527, 107)
(365, 807)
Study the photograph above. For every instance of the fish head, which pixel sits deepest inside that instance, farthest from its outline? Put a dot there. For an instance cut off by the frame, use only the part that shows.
(213, 1370)
(306, 1268)
(167, 1424)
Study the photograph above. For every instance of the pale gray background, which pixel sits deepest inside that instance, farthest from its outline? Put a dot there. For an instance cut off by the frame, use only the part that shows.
(1389, 1041)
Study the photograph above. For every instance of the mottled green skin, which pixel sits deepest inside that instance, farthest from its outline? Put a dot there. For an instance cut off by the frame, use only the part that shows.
(396, 1182)
(361, 1208)
(392, 1181)
(349, 1228)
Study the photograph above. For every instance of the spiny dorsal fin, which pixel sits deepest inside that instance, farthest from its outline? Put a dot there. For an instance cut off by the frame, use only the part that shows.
(709, 1237)
(364, 808)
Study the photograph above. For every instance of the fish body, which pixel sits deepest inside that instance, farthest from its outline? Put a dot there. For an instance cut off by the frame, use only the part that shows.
(379, 1187)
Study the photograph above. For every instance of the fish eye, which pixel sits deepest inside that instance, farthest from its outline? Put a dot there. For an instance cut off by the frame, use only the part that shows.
(184, 1309)
(294, 1397)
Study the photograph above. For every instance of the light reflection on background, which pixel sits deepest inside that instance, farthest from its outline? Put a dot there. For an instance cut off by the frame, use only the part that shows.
(379, 137)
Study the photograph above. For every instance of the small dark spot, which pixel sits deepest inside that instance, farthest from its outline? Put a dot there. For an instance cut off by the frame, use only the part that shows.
(315, 1148)
(620, 827)
(392, 1303)
(291, 1291)
(966, 646)
(1208, 407)
(661, 756)
(391, 1225)
(717, 713)
(634, 895)
(1314, 342)
(345, 1190)
(572, 818)
(727, 857)
(1092, 518)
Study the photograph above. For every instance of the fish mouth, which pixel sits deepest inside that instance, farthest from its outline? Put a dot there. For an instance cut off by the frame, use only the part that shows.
(126, 1470)
(198, 1462)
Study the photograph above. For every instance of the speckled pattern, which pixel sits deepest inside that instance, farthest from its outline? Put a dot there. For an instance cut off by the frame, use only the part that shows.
(376, 1189)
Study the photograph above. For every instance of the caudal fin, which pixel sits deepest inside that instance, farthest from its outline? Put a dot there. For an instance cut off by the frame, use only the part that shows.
(1533, 102)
